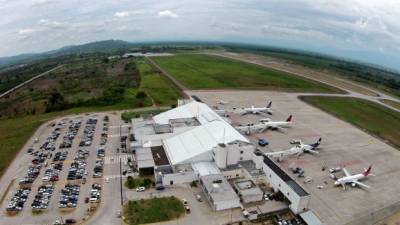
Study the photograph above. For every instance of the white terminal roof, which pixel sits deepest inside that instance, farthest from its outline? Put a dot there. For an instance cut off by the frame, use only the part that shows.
(192, 109)
(205, 168)
(201, 139)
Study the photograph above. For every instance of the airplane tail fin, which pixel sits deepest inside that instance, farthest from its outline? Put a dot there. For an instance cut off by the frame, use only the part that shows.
(316, 144)
(289, 119)
(367, 171)
(269, 104)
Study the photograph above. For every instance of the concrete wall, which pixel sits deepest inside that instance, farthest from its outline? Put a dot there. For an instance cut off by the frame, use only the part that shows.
(222, 205)
(298, 203)
(258, 160)
(230, 174)
(252, 198)
(231, 154)
(178, 178)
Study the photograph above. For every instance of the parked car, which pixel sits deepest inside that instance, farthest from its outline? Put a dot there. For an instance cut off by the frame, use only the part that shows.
(184, 201)
(187, 208)
(70, 221)
(140, 189)
(198, 198)
(262, 142)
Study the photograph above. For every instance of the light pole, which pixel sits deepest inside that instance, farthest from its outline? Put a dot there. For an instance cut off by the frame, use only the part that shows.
(120, 179)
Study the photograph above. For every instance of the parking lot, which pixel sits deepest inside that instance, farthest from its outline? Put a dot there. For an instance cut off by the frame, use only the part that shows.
(342, 145)
(62, 170)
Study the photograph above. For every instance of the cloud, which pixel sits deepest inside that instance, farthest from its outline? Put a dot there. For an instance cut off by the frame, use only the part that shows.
(214, 23)
(51, 24)
(37, 3)
(236, 27)
(26, 31)
(167, 14)
(122, 14)
(294, 32)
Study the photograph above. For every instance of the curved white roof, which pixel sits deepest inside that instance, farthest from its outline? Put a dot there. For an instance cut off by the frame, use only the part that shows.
(192, 109)
(200, 140)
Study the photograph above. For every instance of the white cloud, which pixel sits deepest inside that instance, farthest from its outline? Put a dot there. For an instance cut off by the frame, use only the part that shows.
(122, 14)
(51, 24)
(41, 2)
(26, 31)
(167, 14)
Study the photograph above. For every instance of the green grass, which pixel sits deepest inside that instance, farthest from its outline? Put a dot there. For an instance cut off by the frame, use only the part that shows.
(132, 183)
(160, 89)
(199, 71)
(153, 210)
(127, 116)
(369, 116)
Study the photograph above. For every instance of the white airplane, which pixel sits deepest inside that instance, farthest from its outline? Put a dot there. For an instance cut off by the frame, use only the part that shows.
(264, 125)
(222, 102)
(297, 150)
(353, 179)
(254, 110)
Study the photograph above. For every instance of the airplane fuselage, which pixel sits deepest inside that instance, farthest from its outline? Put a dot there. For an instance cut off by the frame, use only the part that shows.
(263, 126)
(349, 179)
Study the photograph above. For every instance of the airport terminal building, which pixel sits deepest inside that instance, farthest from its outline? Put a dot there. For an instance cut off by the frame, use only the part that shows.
(193, 143)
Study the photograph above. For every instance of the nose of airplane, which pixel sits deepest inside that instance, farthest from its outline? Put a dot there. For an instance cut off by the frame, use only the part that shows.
(336, 183)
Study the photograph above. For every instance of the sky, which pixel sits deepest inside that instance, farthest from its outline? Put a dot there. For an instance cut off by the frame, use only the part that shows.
(365, 30)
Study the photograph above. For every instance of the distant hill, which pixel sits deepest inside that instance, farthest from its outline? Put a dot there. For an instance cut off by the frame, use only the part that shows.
(107, 46)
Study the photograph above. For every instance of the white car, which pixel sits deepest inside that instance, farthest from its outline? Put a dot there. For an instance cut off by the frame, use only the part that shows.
(184, 201)
(140, 189)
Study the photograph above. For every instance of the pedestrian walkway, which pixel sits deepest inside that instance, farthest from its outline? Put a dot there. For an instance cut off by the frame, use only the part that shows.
(113, 159)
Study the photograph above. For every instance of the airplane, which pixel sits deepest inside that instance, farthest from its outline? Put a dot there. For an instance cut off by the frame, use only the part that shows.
(254, 110)
(222, 102)
(297, 150)
(264, 125)
(353, 179)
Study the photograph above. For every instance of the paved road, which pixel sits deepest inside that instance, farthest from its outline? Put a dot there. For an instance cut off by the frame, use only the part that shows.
(28, 81)
(375, 99)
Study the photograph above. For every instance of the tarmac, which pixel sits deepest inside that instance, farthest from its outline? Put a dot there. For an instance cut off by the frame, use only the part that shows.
(342, 145)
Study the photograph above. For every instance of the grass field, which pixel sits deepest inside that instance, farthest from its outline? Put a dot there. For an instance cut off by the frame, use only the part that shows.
(383, 80)
(391, 103)
(153, 210)
(371, 117)
(160, 89)
(199, 71)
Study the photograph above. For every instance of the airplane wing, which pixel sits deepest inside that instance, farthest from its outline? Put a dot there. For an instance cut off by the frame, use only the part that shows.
(361, 184)
(312, 151)
(264, 129)
(281, 129)
(244, 112)
(267, 111)
(346, 172)
(262, 113)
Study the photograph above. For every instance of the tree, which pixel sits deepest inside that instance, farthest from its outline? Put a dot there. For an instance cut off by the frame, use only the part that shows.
(141, 94)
